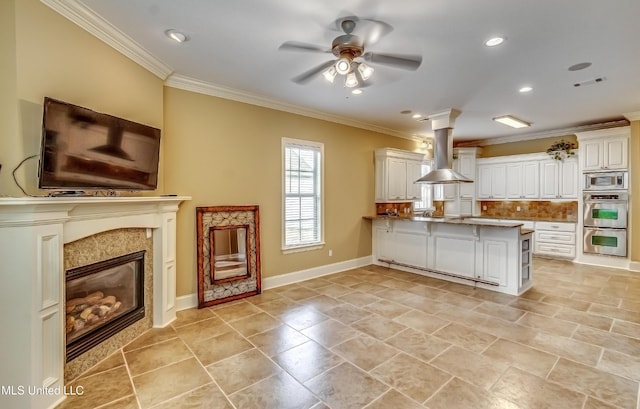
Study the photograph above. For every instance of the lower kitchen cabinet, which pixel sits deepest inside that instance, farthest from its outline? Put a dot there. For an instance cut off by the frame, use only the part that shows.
(396, 240)
(556, 239)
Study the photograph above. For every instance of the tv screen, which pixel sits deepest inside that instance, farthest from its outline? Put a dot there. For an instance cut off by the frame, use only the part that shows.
(84, 149)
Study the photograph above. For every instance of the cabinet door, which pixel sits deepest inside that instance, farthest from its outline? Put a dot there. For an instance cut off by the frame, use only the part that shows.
(592, 154)
(466, 164)
(499, 181)
(530, 180)
(615, 153)
(483, 183)
(396, 179)
(495, 261)
(514, 181)
(549, 172)
(568, 179)
(414, 172)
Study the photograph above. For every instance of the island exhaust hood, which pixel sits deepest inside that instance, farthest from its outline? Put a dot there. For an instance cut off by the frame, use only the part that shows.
(442, 124)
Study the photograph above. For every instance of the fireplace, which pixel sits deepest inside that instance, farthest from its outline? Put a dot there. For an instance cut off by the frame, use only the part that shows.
(102, 299)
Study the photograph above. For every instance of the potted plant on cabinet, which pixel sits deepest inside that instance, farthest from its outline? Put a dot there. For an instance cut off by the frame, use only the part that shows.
(561, 150)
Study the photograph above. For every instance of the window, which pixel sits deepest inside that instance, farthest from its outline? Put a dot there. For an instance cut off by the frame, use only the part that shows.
(302, 194)
(427, 191)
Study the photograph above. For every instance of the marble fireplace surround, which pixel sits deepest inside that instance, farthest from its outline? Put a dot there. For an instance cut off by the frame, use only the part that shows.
(33, 231)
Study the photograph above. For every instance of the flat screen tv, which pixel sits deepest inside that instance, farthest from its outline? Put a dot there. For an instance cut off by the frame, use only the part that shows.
(83, 149)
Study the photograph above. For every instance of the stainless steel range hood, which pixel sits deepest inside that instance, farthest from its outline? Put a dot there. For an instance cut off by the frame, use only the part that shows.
(442, 173)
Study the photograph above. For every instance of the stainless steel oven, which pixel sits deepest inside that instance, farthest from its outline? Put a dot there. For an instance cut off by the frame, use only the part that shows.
(618, 180)
(606, 209)
(608, 242)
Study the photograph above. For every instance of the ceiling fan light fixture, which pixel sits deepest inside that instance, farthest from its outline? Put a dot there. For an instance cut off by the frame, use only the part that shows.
(512, 121)
(351, 80)
(365, 71)
(330, 74)
(343, 66)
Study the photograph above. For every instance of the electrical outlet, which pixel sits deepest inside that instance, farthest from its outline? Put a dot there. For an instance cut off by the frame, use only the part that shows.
(484, 207)
(330, 252)
(517, 208)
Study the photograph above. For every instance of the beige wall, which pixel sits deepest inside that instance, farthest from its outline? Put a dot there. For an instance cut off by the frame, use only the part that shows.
(222, 152)
(54, 57)
(522, 147)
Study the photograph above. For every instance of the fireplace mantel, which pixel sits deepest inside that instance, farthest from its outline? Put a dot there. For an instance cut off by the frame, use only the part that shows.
(33, 231)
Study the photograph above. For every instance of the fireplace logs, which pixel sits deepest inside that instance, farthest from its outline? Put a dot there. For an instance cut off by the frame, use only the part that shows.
(89, 310)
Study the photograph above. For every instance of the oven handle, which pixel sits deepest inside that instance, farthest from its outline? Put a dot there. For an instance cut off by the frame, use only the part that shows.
(601, 201)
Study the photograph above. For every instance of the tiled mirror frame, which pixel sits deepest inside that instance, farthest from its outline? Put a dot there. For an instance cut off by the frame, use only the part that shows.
(207, 217)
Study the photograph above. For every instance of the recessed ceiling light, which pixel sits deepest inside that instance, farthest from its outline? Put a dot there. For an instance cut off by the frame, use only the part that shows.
(492, 42)
(177, 36)
(405, 112)
(357, 91)
(416, 116)
(580, 66)
(512, 121)
(525, 89)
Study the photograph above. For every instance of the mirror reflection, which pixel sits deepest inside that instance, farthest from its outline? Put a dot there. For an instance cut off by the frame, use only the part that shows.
(229, 244)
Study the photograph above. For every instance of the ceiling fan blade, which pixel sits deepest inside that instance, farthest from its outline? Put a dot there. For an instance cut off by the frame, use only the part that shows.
(308, 75)
(376, 31)
(406, 62)
(298, 46)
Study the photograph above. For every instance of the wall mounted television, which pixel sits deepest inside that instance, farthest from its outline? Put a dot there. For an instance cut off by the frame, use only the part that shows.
(87, 150)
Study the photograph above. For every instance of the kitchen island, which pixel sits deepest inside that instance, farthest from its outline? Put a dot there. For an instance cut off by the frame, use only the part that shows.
(495, 255)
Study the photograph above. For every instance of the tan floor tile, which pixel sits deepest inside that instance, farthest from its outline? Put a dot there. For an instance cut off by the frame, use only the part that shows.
(334, 290)
(415, 379)
(220, 347)
(316, 283)
(519, 386)
(420, 345)
(378, 327)
(465, 337)
(593, 403)
(202, 330)
(152, 357)
(365, 352)
(307, 360)
(242, 370)
(345, 280)
(112, 361)
(572, 303)
(99, 389)
(548, 324)
(458, 300)
(488, 295)
(596, 298)
(302, 317)
(609, 388)
(535, 306)
(205, 397)
(565, 347)
(129, 402)
(368, 287)
(584, 318)
(499, 311)
(264, 297)
(255, 324)
(299, 294)
(359, 299)
(279, 391)
(322, 302)
(394, 399)
(605, 339)
(347, 314)
(620, 364)
(277, 340)
(169, 381)
(387, 309)
(521, 356)
(626, 328)
(474, 368)
(236, 311)
(278, 307)
(421, 321)
(346, 387)
(612, 312)
(426, 291)
(186, 317)
(329, 333)
(458, 394)
(152, 336)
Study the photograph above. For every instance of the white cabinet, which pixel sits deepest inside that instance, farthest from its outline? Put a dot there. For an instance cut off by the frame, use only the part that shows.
(492, 182)
(555, 239)
(605, 149)
(395, 172)
(461, 196)
(559, 179)
(522, 180)
(402, 242)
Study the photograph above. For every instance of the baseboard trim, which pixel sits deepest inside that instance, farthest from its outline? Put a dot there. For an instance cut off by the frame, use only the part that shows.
(634, 266)
(185, 302)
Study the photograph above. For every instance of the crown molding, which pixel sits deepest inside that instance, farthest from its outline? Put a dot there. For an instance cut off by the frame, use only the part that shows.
(87, 19)
(632, 116)
(545, 134)
(206, 88)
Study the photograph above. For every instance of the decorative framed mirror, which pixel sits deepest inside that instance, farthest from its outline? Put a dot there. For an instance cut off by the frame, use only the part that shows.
(228, 252)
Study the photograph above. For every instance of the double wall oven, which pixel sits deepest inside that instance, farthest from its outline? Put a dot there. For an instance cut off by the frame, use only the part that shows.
(606, 206)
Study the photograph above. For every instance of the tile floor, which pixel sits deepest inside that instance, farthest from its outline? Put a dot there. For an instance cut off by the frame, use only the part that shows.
(380, 338)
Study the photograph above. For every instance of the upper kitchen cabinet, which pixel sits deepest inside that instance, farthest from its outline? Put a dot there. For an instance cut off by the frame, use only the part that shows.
(522, 180)
(492, 183)
(604, 149)
(396, 171)
(559, 179)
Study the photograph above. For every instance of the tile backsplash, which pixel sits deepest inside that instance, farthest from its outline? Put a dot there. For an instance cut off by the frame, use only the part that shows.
(560, 211)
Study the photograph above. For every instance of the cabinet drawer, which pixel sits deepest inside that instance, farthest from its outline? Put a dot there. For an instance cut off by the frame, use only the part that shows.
(557, 250)
(556, 226)
(555, 237)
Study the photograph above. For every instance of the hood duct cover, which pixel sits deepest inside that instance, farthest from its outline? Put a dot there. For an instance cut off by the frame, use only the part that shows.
(442, 172)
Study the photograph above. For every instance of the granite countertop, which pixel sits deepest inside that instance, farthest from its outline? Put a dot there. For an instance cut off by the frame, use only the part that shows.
(531, 219)
(471, 221)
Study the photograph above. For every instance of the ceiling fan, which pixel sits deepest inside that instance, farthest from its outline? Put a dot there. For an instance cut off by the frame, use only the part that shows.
(349, 48)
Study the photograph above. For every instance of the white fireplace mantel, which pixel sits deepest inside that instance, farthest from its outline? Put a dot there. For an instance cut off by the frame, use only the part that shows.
(33, 231)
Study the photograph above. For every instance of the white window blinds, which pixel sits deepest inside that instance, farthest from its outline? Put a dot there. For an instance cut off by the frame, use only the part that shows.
(302, 193)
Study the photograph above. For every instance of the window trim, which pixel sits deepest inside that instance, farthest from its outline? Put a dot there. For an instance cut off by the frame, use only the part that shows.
(291, 142)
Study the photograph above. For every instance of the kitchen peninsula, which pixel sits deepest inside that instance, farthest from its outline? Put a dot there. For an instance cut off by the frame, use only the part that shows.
(489, 254)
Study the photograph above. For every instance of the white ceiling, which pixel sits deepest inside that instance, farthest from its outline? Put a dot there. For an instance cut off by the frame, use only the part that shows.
(233, 49)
